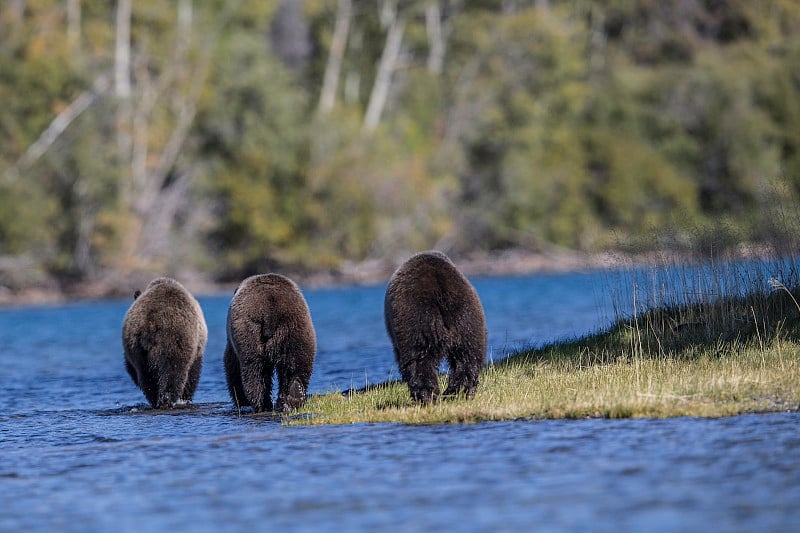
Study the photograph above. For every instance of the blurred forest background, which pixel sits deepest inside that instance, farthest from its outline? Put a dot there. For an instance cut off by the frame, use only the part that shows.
(223, 138)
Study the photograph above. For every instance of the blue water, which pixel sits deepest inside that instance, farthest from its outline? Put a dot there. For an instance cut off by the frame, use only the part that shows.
(79, 450)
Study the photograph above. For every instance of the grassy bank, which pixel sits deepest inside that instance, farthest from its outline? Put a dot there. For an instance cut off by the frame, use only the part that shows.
(703, 353)
(746, 379)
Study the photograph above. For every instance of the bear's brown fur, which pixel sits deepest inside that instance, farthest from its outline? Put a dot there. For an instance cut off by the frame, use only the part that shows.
(164, 335)
(433, 312)
(269, 330)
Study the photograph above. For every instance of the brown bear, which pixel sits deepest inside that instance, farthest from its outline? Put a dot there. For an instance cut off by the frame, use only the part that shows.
(269, 330)
(164, 335)
(433, 312)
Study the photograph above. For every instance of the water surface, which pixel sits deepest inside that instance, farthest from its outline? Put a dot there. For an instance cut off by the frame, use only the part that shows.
(80, 451)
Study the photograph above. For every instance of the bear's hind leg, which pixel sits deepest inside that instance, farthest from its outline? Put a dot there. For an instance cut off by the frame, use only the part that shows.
(172, 376)
(131, 372)
(422, 378)
(148, 382)
(257, 383)
(193, 378)
(463, 374)
(233, 376)
(292, 387)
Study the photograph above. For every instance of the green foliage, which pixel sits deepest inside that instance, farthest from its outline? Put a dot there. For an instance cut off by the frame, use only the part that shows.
(578, 124)
(24, 213)
(251, 126)
(36, 81)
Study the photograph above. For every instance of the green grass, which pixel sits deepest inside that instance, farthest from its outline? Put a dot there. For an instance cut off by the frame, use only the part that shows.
(708, 354)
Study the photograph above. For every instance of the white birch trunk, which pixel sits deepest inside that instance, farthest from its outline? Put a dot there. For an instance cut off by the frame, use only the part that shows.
(383, 79)
(122, 50)
(122, 90)
(184, 33)
(333, 68)
(433, 26)
(387, 13)
(73, 25)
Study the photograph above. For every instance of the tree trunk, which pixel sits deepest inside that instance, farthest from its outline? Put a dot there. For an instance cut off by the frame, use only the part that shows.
(383, 79)
(344, 13)
(122, 50)
(73, 26)
(433, 26)
(184, 33)
(387, 13)
(122, 90)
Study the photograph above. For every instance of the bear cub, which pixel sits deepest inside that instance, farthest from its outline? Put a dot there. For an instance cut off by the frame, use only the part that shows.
(433, 312)
(269, 331)
(164, 335)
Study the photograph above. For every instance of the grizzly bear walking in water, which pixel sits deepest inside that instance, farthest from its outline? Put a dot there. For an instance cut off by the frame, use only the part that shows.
(164, 335)
(433, 312)
(269, 330)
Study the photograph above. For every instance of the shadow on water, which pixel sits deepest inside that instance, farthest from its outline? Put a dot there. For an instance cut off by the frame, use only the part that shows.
(143, 409)
(211, 409)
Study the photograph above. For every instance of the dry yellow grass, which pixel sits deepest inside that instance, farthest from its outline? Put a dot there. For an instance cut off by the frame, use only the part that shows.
(746, 380)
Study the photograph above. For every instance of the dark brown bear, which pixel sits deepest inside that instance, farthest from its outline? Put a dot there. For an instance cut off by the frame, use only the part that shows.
(433, 312)
(164, 335)
(269, 330)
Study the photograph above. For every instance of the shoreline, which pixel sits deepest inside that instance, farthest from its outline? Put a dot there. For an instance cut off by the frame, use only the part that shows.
(368, 272)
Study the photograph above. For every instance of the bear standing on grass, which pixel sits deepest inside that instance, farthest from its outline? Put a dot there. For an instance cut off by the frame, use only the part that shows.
(433, 312)
(269, 330)
(164, 335)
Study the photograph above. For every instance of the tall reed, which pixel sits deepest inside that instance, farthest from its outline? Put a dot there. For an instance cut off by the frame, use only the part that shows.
(712, 293)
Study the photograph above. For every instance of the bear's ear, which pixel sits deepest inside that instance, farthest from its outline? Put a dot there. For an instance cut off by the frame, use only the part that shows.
(137, 294)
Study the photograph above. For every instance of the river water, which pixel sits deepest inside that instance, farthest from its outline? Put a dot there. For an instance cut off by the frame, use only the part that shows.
(79, 450)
